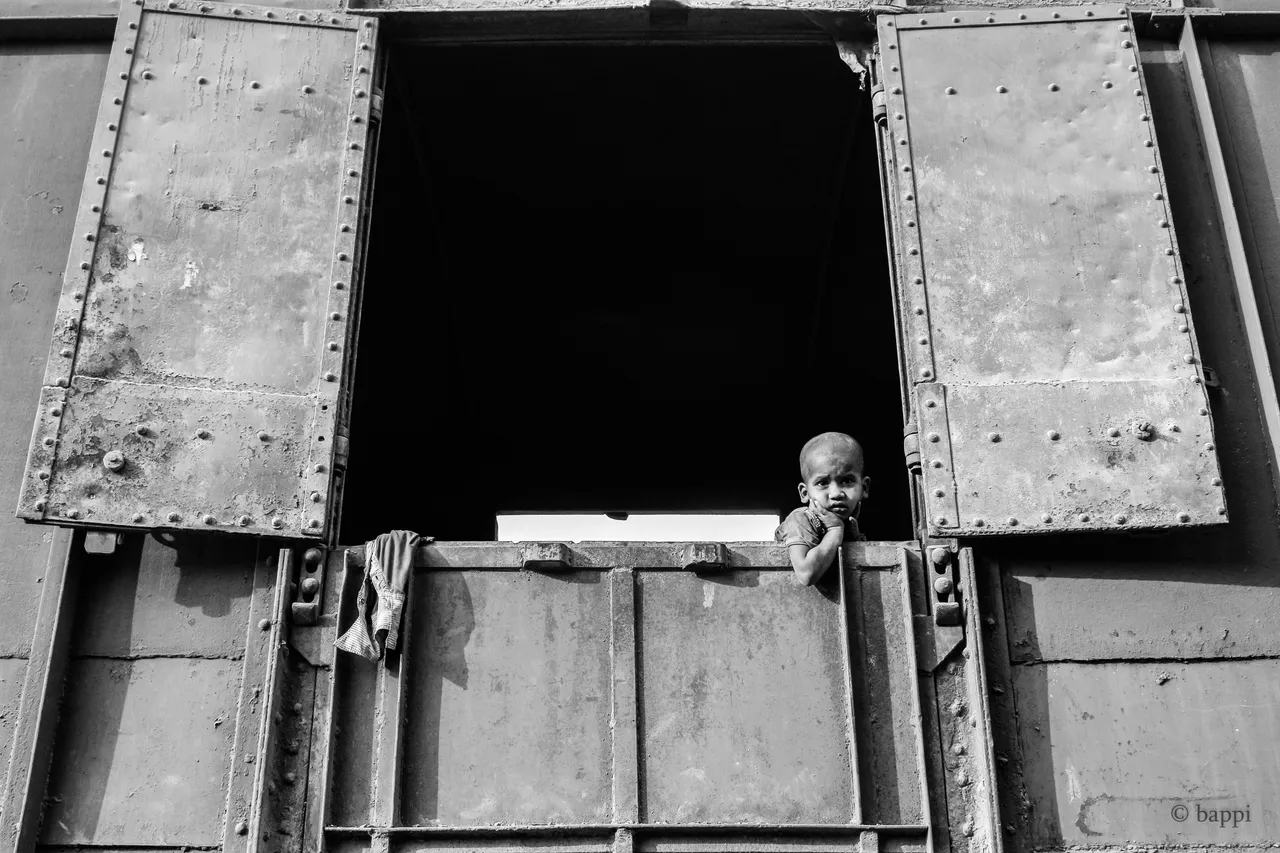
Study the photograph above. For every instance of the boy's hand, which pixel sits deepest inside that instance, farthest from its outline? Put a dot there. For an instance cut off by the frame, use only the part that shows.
(829, 519)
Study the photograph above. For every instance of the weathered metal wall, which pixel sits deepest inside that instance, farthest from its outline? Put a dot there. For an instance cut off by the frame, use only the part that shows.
(1135, 677)
(48, 98)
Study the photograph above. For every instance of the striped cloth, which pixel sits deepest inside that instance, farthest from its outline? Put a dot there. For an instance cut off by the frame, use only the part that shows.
(388, 562)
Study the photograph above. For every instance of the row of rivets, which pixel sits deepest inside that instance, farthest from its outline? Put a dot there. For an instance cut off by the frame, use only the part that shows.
(1119, 519)
(221, 10)
(342, 269)
(993, 18)
(921, 359)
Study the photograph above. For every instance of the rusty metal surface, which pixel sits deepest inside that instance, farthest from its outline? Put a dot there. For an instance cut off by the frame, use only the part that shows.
(41, 167)
(138, 761)
(1041, 282)
(497, 556)
(12, 673)
(1121, 744)
(168, 594)
(743, 710)
(510, 699)
(210, 285)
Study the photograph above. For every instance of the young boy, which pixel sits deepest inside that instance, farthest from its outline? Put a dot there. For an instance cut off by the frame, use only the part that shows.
(832, 489)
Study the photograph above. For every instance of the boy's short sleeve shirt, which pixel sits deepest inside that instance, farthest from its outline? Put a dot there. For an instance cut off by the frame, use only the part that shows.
(803, 527)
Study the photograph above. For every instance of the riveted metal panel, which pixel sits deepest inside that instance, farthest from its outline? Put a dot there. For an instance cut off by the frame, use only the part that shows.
(203, 331)
(1047, 325)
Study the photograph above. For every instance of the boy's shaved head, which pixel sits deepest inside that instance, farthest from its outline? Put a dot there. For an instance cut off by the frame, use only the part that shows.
(829, 443)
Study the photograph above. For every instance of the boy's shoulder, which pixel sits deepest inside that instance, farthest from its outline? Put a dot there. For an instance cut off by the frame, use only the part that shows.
(801, 527)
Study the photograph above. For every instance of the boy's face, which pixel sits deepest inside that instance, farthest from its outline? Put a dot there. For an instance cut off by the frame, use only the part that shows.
(835, 482)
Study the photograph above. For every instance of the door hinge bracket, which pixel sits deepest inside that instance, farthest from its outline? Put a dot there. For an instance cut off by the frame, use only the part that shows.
(911, 447)
(308, 588)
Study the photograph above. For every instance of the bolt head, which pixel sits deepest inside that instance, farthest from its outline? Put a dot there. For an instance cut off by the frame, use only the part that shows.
(48, 442)
(310, 586)
(315, 497)
(942, 586)
(202, 433)
(934, 437)
(264, 625)
(1184, 517)
(209, 519)
(277, 523)
(1054, 435)
(939, 556)
(113, 460)
(174, 517)
(1013, 522)
(243, 521)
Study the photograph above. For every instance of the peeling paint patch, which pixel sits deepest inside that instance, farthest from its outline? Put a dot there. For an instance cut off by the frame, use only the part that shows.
(190, 275)
(137, 252)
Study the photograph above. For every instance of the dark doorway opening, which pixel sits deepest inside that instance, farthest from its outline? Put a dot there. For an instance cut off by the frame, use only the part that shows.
(620, 278)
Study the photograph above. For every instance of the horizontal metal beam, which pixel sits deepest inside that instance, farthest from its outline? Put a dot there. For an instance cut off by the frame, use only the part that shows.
(498, 556)
(793, 829)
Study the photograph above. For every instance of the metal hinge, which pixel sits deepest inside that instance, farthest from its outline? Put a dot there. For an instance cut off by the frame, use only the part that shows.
(308, 588)
(375, 105)
(878, 109)
(911, 447)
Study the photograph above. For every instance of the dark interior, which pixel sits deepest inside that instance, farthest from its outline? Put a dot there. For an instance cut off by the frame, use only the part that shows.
(620, 278)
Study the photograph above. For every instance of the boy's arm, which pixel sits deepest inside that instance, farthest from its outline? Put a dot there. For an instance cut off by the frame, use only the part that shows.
(811, 563)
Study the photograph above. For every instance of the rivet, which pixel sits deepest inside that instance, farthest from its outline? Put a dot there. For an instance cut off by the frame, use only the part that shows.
(89, 237)
(993, 437)
(937, 463)
(1002, 89)
(926, 373)
(264, 625)
(910, 197)
(1056, 15)
(57, 413)
(43, 475)
(202, 433)
(1184, 328)
(343, 256)
(138, 518)
(73, 513)
(368, 25)
(934, 438)
(307, 90)
(1046, 518)
(1189, 359)
(1203, 410)
(1216, 481)
(1053, 87)
(1153, 169)
(1088, 13)
(173, 516)
(290, 778)
(924, 22)
(302, 17)
(329, 377)
(942, 586)
(111, 127)
(1133, 68)
(1195, 380)
(902, 142)
(277, 523)
(206, 8)
(913, 251)
(1126, 43)
(339, 285)
(40, 506)
(990, 20)
(270, 14)
(263, 436)
(360, 93)
(1222, 510)
(1208, 445)
(1113, 432)
(911, 223)
(1022, 16)
(352, 173)
(66, 353)
(345, 229)
(254, 84)
(235, 11)
(319, 469)
(141, 429)
(1144, 117)
(63, 382)
(950, 90)
(1179, 308)
(899, 116)
(942, 519)
(1124, 28)
(209, 519)
(1013, 522)
(77, 295)
(355, 146)
(333, 347)
(919, 311)
(113, 460)
(1184, 517)
(1106, 84)
(1084, 518)
(1053, 435)
(924, 342)
(939, 493)
(313, 524)
(1175, 280)
(117, 101)
(202, 80)
(897, 90)
(1148, 144)
(133, 25)
(955, 20)
(48, 442)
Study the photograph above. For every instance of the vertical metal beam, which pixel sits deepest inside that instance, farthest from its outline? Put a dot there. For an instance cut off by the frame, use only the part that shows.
(986, 802)
(622, 653)
(22, 806)
(851, 729)
(320, 781)
(259, 702)
(922, 769)
(389, 730)
(1231, 231)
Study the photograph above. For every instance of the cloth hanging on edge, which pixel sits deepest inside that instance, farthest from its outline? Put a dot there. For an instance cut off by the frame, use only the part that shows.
(388, 562)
